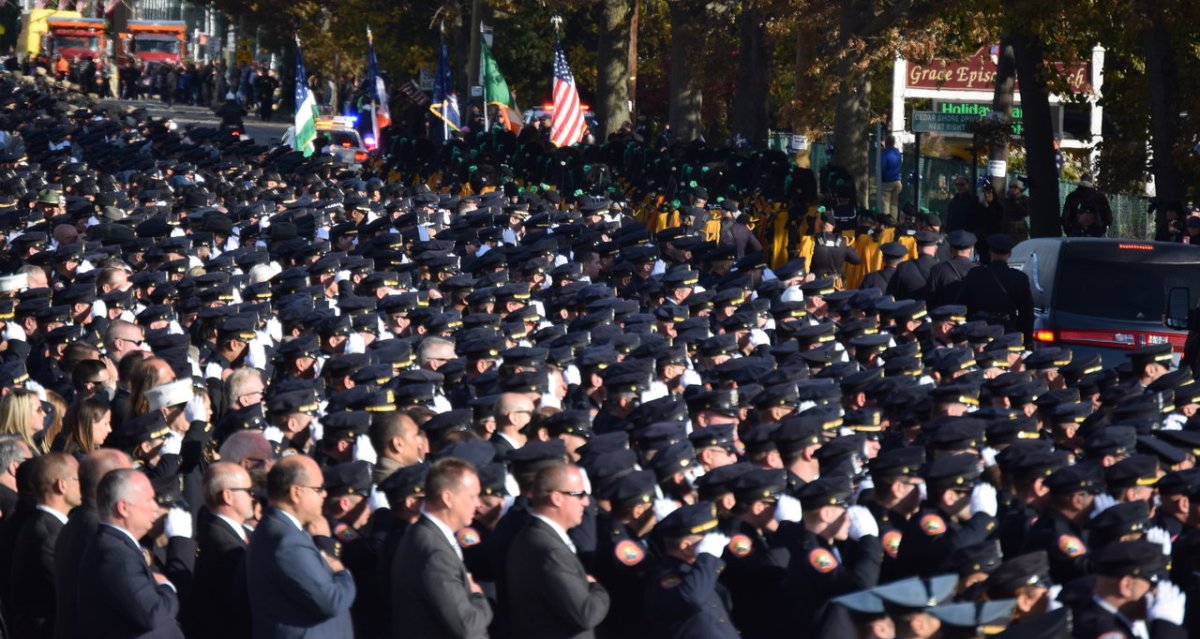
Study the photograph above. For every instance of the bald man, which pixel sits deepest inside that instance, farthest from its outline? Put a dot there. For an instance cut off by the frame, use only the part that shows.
(72, 540)
(513, 412)
(220, 576)
(296, 590)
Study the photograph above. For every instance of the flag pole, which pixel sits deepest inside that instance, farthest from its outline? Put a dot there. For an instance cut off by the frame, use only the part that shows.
(482, 79)
(371, 90)
(445, 100)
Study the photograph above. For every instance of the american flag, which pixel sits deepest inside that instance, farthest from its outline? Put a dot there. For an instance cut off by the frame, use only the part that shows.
(567, 126)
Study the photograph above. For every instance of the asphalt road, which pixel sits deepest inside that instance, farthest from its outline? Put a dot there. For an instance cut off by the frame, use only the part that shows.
(262, 132)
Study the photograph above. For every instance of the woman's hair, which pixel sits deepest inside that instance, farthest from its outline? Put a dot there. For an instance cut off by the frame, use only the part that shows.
(144, 377)
(56, 420)
(77, 428)
(15, 409)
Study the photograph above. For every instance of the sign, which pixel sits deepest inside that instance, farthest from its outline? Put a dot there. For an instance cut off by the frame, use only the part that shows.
(413, 92)
(982, 110)
(427, 78)
(800, 142)
(934, 122)
(978, 73)
(997, 168)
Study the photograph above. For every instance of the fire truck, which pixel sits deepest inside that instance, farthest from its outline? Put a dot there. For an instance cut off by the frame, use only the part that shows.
(66, 33)
(152, 41)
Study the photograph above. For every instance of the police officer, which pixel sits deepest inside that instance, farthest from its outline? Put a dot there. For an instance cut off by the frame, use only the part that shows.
(958, 512)
(894, 498)
(945, 277)
(1132, 597)
(685, 594)
(624, 557)
(1061, 529)
(997, 293)
(830, 252)
(912, 276)
(893, 253)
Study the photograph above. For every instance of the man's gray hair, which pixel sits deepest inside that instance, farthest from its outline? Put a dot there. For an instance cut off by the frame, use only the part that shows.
(428, 345)
(116, 486)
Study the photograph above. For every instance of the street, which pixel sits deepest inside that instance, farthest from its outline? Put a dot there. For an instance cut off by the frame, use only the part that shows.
(263, 132)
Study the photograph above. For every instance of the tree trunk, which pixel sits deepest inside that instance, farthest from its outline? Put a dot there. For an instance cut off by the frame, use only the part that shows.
(851, 125)
(632, 52)
(612, 72)
(754, 63)
(687, 41)
(474, 47)
(1002, 105)
(1039, 139)
(1163, 77)
(852, 118)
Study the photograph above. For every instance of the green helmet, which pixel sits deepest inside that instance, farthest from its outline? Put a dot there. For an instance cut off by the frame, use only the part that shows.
(49, 196)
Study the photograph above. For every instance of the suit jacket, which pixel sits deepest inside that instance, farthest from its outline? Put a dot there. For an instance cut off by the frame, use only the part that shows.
(431, 598)
(68, 558)
(293, 592)
(548, 592)
(118, 596)
(32, 579)
(218, 604)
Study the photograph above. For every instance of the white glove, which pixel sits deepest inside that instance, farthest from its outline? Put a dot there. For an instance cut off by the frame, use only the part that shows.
(275, 329)
(989, 456)
(1101, 503)
(713, 543)
(364, 451)
(172, 443)
(273, 434)
(1160, 537)
(1167, 603)
(86, 267)
(1052, 602)
(983, 500)
(355, 344)
(377, 500)
(342, 276)
(179, 523)
(862, 523)
(256, 355)
(788, 508)
(37, 388)
(99, 309)
(317, 429)
(664, 507)
(196, 410)
(13, 331)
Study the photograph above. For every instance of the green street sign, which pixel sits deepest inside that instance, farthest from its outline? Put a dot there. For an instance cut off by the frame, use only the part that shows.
(934, 122)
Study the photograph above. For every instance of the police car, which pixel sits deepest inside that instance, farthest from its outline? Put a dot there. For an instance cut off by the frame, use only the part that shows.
(345, 142)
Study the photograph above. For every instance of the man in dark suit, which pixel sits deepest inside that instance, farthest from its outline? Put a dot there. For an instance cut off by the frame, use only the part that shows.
(550, 593)
(55, 481)
(296, 591)
(433, 595)
(73, 539)
(119, 596)
(513, 413)
(218, 606)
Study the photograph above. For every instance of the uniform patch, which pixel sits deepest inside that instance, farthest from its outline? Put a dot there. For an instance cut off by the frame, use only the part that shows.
(891, 543)
(1071, 546)
(467, 537)
(345, 533)
(1112, 635)
(932, 524)
(740, 545)
(822, 560)
(670, 581)
(629, 553)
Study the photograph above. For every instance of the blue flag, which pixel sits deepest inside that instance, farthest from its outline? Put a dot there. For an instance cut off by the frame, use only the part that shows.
(445, 101)
(376, 91)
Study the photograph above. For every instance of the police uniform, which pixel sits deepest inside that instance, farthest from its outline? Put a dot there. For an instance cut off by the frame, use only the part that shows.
(687, 599)
(756, 560)
(945, 277)
(1098, 618)
(896, 462)
(624, 561)
(999, 294)
(932, 536)
(1064, 542)
(912, 276)
(821, 568)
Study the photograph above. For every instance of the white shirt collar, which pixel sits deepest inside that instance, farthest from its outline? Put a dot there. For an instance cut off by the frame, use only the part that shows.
(510, 439)
(449, 534)
(292, 518)
(127, 534)
(237, 528)
(562, 534)
(57, 515)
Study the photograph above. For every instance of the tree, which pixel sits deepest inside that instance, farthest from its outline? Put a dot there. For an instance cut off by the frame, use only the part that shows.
(750, 113)
(687, 96)
(612, 72)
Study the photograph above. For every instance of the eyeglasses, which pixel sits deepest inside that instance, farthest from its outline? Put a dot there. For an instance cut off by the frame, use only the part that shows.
(250, 490)
(320, 490)
(135, 342)
(578, 494)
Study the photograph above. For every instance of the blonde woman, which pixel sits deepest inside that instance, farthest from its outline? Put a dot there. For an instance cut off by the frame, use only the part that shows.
(21, 414)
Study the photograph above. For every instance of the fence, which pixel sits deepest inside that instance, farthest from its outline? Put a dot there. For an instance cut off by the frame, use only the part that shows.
(1130, 218)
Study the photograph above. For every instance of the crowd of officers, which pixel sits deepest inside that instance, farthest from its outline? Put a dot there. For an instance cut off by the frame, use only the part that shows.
(245, 393)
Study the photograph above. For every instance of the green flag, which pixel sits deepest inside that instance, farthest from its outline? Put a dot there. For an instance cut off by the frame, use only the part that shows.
(495, 90)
